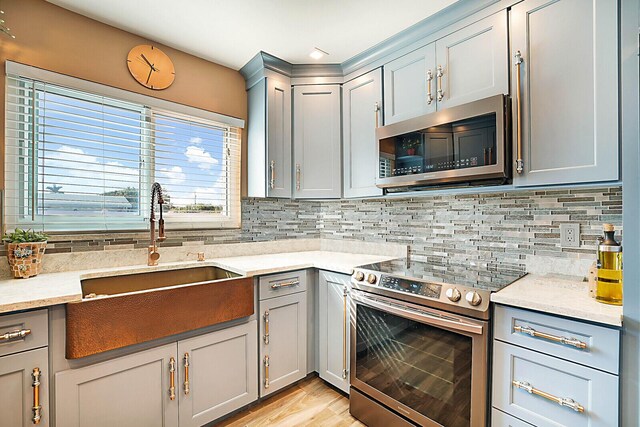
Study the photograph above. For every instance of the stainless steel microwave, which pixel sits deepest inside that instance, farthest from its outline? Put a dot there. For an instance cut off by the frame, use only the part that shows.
(461, 144)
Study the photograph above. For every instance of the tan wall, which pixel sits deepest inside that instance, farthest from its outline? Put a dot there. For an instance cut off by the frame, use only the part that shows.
(56, 39)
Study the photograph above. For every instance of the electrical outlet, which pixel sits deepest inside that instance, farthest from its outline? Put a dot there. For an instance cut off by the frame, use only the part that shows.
(570, 235)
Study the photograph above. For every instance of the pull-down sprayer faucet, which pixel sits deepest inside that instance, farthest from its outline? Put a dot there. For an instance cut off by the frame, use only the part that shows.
(156, 190)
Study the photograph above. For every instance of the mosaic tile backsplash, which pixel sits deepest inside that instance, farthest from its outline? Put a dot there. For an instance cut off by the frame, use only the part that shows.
(505, 229)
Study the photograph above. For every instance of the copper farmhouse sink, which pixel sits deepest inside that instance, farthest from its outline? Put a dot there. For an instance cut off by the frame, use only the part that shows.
(122, 310)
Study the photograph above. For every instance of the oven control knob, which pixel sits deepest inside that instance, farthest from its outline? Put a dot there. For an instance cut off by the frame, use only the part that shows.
(371, 278)
(453, 294)
(473, 298)
(359, 276)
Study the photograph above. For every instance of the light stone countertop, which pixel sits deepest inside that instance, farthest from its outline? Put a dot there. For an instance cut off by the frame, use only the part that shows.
(556, 294)
(59, 288)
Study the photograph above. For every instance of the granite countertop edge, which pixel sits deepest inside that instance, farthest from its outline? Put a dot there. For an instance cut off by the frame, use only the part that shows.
(558, 295)
(52, 289)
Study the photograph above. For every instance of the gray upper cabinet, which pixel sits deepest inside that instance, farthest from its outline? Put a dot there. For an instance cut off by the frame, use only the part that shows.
(410, 85)
(19, 375)
(222, 372)
(361, 114)
(283, 343)
(316, 141)
(130, 391)
(473, 62)
(569, 90)
(333, 341)
(269, 138)
(464, 66)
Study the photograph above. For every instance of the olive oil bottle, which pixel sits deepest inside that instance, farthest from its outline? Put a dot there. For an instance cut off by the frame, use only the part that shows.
(609, 279)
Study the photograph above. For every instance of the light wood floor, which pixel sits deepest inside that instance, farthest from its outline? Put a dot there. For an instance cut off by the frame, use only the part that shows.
(310, 403)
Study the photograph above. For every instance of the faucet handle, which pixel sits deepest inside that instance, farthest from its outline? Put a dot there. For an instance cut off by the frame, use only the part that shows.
(199, 254)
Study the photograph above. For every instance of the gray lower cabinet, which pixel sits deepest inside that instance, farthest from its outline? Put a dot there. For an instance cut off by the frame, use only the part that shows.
(333, 295)
(569, 90)
(551, 372)
(361, 114)
(20, 374)
(188, 383)
(473, 62)
(269, 138)
(316, 141)
(130, 391)
(218, 373)
(283, 342)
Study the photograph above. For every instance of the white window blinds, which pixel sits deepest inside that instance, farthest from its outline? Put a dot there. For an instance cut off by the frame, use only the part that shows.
(81, 161)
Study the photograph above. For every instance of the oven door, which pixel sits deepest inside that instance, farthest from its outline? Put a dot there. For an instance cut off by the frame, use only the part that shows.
(428, 365)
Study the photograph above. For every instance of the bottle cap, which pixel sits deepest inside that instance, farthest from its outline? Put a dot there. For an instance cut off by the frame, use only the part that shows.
(608, 227)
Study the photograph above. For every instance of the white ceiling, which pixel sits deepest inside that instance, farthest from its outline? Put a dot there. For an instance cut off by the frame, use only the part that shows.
(231, 32)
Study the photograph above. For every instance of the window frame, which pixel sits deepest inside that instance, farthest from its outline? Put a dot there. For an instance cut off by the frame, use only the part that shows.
(149, 108)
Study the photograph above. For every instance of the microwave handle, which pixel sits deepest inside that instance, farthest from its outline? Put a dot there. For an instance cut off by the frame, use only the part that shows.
(417, 314)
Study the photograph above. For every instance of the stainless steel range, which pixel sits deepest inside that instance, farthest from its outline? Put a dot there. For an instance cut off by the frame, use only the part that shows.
(420, 343)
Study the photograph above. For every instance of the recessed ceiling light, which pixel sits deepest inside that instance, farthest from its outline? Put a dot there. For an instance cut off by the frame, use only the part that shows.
(317, 53)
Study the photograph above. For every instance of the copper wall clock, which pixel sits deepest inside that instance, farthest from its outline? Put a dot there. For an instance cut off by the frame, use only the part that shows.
(151, 67)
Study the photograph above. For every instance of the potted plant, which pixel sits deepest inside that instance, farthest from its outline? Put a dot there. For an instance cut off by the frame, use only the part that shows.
(25, 249)
(411, 143)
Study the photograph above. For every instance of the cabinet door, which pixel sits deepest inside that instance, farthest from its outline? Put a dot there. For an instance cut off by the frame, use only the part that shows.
(283, 344)
(334, 329)
(316, 141)
(218, 373)
(17, 388)
(526, 385)
(407, 81)
(569, 90)
(130, 391)
(278, 138)
(474, 62)
(361, 105)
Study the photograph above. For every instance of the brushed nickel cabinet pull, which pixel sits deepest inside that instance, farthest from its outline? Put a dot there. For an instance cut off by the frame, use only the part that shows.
(439, 74)
(14, 335)
(36, 396)
(573, 342)
(562, 401)
(298, 173)
(519, 162)
(265, 316)
(344, 333)
(376, 111)
(272, 180)
(266, 372)
(172, 378)
(295, 282)
(186, 374)
(429, 79)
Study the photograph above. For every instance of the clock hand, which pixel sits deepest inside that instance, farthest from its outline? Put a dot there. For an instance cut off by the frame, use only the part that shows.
(149, 76)
(147, 61)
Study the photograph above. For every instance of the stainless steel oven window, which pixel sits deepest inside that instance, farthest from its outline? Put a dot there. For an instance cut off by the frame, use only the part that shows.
(434, 375)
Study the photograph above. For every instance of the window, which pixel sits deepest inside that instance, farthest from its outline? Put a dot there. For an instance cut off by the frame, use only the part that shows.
(76, 160)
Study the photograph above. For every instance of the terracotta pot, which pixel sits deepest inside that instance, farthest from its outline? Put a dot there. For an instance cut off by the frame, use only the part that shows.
(25, 259)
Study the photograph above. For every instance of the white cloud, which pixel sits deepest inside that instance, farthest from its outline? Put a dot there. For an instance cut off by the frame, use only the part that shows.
(201, 157)
(195, 140)
(209, 195)
(174, 174)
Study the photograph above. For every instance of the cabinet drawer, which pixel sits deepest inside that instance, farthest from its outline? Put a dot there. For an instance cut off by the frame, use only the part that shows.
(595, 392)
(601, 345)
(278, 285)
(500, 419)
(23, 331)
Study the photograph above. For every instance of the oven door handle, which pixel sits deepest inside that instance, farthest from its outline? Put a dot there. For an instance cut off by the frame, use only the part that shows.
(418, 315)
